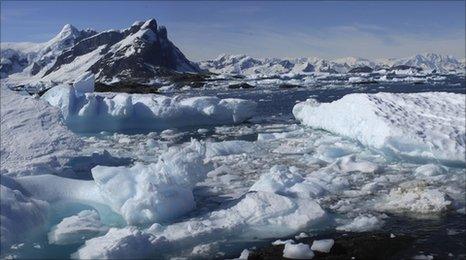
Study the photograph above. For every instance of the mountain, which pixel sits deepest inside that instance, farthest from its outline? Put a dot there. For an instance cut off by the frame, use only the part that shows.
(31, 58)
(141, 53)
(246, 65)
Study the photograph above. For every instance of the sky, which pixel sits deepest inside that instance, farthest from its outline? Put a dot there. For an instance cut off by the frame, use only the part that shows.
(205, 29)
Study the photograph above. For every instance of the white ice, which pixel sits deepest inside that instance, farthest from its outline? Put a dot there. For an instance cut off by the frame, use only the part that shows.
(323, 245)
(420, 125)
(77, 228)
(93, 112)
(297, 251)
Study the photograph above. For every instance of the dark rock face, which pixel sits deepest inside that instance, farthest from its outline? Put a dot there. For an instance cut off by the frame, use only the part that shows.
(363, 69)
(288, 86)
(140, 54)
(14, 64)
(240, 86)
(405, 67)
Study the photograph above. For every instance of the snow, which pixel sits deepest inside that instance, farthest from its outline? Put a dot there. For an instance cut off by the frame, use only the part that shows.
(77, 228)
(297, 251)
(128, 242)
(324, 245)
(156, 192)
(34, 139)
(95, 112)
(362, 223)
(422, 125)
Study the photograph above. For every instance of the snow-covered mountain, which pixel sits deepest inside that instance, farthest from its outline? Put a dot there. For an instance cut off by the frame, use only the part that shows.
(246, 65)
(140, 53)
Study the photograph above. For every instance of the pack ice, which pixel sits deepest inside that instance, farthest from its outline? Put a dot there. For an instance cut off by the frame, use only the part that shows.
(420, 126)
(85, 111)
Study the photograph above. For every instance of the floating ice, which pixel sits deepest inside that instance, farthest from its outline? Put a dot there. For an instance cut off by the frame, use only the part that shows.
(257, 214)
(324, 245)
(421, 125)
(228, 147)
(77, 228)
(93, 112)
(415, 198)
(297, 251)
(128, 242)
(362, 223)
(156, 192)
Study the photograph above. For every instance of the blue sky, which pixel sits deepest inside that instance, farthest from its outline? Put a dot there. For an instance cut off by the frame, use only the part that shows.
(262, 29)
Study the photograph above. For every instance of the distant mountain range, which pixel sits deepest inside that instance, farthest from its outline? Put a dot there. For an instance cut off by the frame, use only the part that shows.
(246, 65)
(140, 53)
(143, 53)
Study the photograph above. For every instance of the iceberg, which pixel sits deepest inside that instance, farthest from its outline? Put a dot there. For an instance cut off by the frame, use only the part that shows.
(426, 126)
(96, 112)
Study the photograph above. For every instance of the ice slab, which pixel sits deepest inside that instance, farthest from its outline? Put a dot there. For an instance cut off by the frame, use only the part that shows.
(94, 112)
(297, 251)
(420, 125)
(323, 245)
(124, 243)
(77, 228)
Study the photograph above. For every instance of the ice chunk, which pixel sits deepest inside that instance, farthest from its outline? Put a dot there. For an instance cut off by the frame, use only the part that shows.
(257, 214)
(297, 251)
(128, 242)
(349, 164)
(33, 137)
(278, 180)
(77, 228)
(288, 181)
(84, 84)
(429, 170)
(156, 192)
(420, 125)
(363, 223)
(228, 147)
(415, 198)
(282, 242)
(96, 112)
(324, 245)
(19, 214)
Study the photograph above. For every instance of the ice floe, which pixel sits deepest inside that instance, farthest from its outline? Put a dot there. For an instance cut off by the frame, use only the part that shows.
(95, 112)
(77, 228)
(421, 125)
